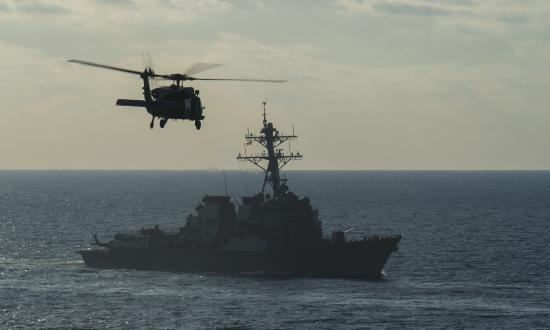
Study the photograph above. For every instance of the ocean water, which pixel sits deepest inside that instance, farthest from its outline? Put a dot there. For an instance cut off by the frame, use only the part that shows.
(475, 252)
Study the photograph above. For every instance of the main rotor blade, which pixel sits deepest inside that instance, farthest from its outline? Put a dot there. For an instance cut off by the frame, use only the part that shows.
(200, 67)
(252, 80)
(105, 66)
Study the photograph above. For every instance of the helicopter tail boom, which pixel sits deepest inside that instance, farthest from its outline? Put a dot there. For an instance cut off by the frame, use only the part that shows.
(131, 103)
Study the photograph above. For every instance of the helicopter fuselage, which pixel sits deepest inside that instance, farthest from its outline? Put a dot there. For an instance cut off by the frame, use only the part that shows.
(169, 102)
(173, 102)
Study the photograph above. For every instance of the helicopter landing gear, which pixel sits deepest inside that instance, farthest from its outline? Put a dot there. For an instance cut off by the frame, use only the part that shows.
(198, 124)
(163, 122)
(152, 124)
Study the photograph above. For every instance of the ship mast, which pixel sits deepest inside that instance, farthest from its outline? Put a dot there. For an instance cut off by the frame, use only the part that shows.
(270, 139)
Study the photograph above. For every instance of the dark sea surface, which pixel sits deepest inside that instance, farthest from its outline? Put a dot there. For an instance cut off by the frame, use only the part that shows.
(475, 252)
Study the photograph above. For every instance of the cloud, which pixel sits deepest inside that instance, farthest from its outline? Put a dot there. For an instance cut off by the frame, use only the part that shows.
(129, 11)
(415, 9)
(33, 7)
(39, 8)
(493, 16)
(400, 7)
(115, 2)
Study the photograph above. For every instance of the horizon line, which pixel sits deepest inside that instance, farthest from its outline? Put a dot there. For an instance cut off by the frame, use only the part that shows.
(259, 171)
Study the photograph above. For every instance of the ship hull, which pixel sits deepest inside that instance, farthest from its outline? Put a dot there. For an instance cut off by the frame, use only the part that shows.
(350, 259)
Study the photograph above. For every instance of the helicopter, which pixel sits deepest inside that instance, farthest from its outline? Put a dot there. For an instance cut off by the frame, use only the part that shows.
(174, 101)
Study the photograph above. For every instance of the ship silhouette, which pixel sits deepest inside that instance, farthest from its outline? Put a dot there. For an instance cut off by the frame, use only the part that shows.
(278, 234)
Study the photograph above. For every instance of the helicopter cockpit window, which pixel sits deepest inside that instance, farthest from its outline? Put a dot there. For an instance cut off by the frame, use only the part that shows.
(188, 92)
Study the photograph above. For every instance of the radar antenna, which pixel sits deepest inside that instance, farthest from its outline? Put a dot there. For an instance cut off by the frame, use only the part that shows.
(270, 138)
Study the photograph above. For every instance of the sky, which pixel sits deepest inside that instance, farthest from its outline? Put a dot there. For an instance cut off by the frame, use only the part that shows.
(373, 84)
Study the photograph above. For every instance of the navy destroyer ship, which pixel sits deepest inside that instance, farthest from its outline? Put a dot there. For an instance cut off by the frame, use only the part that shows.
(274, 234)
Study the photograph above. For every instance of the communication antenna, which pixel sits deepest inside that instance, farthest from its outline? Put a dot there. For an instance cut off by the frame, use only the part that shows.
(236, 198)
(225, 183)
(265, 117)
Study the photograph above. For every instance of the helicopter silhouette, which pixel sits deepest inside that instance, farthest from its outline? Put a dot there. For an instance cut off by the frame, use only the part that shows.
(175, 101)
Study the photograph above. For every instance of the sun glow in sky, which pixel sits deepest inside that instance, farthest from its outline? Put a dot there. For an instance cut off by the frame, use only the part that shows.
(379, 84)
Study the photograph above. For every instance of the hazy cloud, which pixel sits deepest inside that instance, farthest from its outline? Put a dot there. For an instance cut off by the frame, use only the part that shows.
(466, 16)
(33, 7)
(115, 2)
(411, 9)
